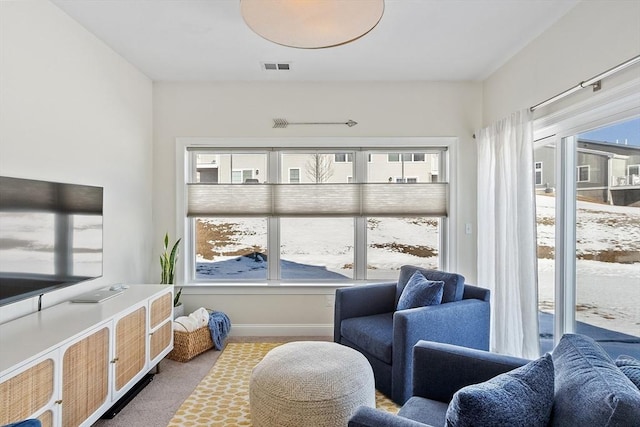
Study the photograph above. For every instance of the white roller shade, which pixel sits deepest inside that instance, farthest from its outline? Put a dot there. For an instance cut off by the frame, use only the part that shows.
(361, 199)
(417, 199)
(229, 200)
(316, 200)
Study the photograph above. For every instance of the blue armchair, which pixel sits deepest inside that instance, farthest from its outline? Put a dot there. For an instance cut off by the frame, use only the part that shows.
(578, 384)
(366, 319)
(441, 370)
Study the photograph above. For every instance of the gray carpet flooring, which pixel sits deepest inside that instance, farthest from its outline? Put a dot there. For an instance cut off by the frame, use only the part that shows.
(155, 405)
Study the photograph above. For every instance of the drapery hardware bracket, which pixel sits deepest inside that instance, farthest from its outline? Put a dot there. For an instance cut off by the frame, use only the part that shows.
(283, 123)
(595, 82)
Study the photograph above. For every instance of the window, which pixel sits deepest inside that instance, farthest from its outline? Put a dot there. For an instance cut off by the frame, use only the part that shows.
(633, 175)
(316, 248)
(583, 173)
(294, 175)
(240, 176)
(538, 172)
(342, 220)
(406, 157)
(587, 236)
(230, 247)
(343, 157)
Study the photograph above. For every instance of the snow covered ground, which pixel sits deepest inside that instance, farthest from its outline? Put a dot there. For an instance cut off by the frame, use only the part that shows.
(320, 250)
(607, 268)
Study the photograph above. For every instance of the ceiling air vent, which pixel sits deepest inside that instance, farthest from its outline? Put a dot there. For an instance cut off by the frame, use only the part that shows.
(284, 66)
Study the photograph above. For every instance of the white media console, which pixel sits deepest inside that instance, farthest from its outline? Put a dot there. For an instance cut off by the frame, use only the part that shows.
(68, 364)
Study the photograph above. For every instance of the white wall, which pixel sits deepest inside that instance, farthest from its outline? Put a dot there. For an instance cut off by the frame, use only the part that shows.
(247, 110)
(591, 38)
(71, 110)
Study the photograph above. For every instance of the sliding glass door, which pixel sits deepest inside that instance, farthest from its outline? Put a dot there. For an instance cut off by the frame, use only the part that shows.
(608, 231)
(588, 211)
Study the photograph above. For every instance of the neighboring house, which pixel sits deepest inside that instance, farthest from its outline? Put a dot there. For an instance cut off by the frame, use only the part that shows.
(308, 168)
(605, 172)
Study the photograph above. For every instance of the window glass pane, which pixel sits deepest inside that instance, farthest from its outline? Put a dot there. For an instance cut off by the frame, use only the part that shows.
(87, 245)
(316, 248)
(583, 173)
(207, 167)
(538, 173)
(343, 157)
(294, 175)
(402, 170)
(317, 167)
(231, 168)
(30, 245)
(394, 242)
(231, 249)
(546, 229)
(608, 231)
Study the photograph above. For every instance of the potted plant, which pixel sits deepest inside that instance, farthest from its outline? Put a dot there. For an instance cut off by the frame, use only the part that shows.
(168, 261)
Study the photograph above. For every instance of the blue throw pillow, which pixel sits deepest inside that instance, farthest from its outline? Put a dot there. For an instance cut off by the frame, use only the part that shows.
(590, 389)
(630, 367)
(420, 292)
(521, 397)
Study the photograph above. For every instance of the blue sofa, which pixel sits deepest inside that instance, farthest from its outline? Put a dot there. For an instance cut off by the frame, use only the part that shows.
(366, 319)
(577, 385)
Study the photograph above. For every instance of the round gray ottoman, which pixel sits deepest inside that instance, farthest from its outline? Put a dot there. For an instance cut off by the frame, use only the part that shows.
(310, 383)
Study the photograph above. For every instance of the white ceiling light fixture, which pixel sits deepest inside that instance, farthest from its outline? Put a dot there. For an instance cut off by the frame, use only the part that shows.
(311, 24)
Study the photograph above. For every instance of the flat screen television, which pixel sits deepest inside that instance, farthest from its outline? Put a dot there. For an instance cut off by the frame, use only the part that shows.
(50, 236)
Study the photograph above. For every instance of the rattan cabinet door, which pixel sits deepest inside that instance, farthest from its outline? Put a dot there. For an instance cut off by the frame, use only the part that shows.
(160, 341)
(85, 377)
(131, 347)
(29, 392)
(161, 310)
(160, 327)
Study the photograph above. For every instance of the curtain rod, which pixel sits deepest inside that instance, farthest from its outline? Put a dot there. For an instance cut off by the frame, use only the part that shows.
(593, 81)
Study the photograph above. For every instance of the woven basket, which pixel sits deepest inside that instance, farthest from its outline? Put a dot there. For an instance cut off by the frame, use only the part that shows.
(187, 345)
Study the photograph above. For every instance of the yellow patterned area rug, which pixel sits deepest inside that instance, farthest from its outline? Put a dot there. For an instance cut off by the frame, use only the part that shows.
(222, 397)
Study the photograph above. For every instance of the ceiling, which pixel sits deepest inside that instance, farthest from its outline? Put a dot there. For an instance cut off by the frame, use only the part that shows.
(207, 40)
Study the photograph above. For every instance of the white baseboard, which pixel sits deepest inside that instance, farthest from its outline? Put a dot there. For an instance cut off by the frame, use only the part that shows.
(279, 329)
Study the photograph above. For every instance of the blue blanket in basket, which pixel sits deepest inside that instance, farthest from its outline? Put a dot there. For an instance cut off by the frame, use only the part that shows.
(219, 325)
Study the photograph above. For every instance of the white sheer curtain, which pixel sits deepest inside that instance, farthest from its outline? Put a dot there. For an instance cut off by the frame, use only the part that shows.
(507, 262)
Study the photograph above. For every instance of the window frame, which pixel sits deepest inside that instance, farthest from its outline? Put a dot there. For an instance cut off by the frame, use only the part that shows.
(348, 157)
(560, 127)
(579, 170)
(242, 172)
(406, 157)
(360, 146)
(537, 169)
(289, 175)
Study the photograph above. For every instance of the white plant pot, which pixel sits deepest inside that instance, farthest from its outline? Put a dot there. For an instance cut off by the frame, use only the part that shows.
(178, 311)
